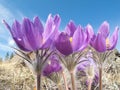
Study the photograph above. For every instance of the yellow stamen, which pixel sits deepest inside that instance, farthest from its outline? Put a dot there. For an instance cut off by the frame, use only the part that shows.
(107, 43)
(70, 39)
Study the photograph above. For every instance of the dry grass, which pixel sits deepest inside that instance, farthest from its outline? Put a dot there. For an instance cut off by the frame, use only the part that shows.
(14, 75)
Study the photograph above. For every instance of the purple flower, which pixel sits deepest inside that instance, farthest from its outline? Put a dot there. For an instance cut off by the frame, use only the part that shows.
(102, 42)
(31, 35)
(52, 66)
(67, 45)
(86, 65)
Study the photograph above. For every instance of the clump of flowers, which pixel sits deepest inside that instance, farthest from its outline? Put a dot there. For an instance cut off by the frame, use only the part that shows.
(70, 44)
(47, 51)
(32, 38)
(103, 45)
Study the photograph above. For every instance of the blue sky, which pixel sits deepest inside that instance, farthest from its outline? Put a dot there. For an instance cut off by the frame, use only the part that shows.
(80, 11)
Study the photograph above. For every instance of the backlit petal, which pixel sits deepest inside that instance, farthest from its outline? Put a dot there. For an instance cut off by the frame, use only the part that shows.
(114, 38)
(104, 29)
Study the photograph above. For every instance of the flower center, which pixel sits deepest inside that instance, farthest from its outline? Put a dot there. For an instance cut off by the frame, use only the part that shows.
(107, 43)
(70, 39)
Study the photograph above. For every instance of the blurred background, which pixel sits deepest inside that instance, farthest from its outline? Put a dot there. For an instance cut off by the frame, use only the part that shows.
(81, 12)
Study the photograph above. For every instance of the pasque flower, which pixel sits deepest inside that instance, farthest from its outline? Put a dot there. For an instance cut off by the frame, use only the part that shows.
(70, 43)
(52, 66)
(102, 42)
(67, 44)
(52, 70)
(37, 40)
(89, 68)
(84, 65)
(30, 36)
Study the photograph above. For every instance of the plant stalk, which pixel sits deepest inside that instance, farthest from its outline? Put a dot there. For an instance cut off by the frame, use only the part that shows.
(38, 82)
(73, 80)
(100, 78)
(90, 84)
(65, 82)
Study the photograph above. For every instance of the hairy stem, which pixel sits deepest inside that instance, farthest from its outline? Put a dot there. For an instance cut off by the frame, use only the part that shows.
(73, 80)
(65, 82)
(100, 78)
(90, 84)
(38, 82)
(46, 82)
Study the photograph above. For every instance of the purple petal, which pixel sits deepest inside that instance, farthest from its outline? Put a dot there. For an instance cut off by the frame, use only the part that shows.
(55, 64)
(22, 44)
(104, 29)
(50, 41)
(79, 39)
(38, 25)
(8, 27)
(47, 43)
(52, 25)
(86, 41)
(63, 44)
(19, 36)
(27, 36)
(33, 37)
(48, 26)
(51, 29)
(114, 38)
(100, 43)
(38, 30)
(16, 28)
(70, 28)
(92, 41)
(89, 30)
(57, 20)
(52, 66)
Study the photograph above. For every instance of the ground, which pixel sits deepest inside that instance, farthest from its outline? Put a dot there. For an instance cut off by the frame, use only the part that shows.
(15, 75)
